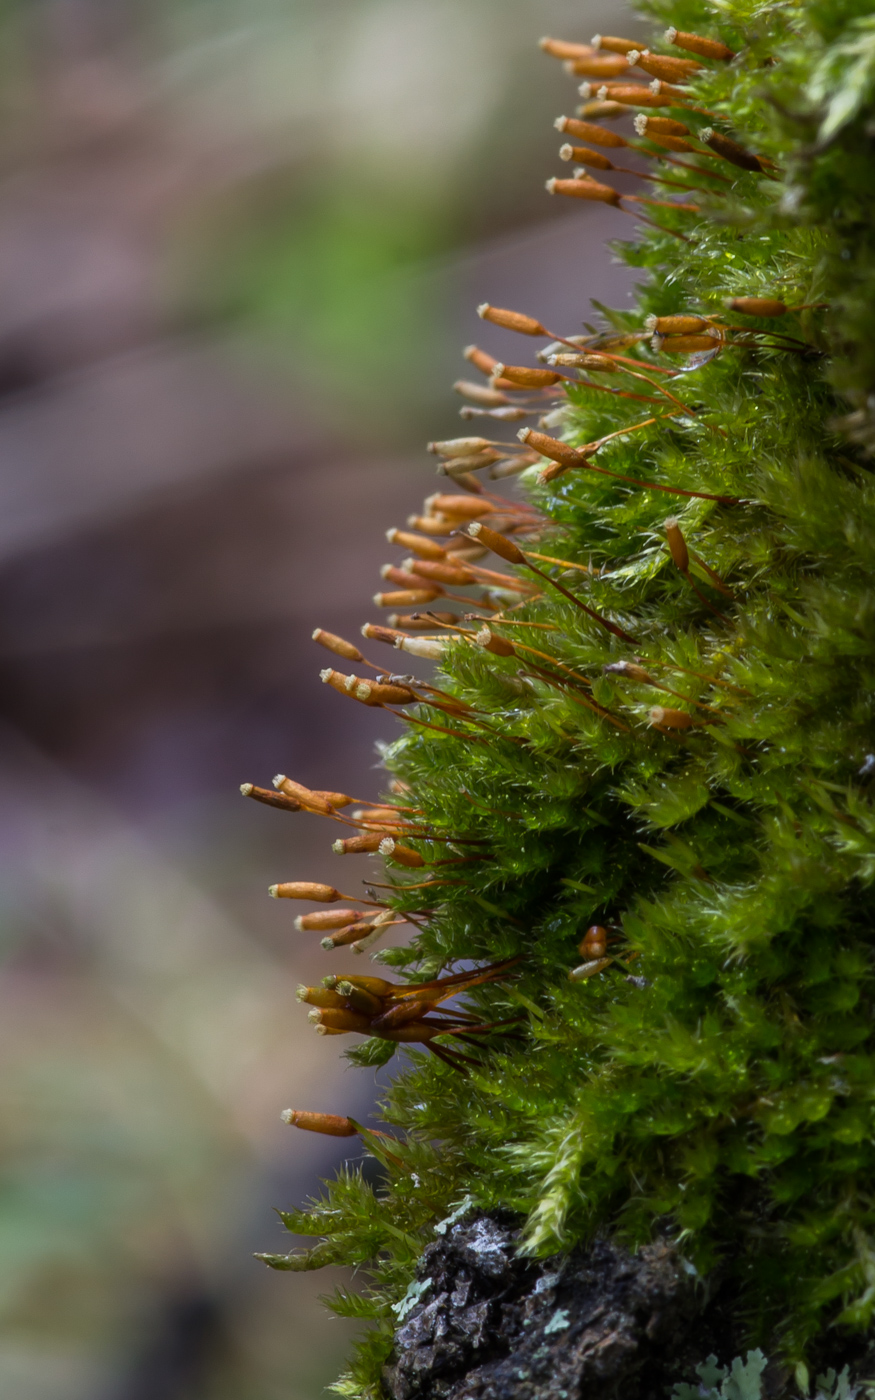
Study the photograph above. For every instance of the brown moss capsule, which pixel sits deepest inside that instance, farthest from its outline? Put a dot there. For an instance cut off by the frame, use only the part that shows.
(462, 507)
(305, 889)
(584, 156)
(647, 125)
(731, 151)
(670, 719)
(367, 843)
(324, 919)
(459, 447)
(757, 306)
(563, 48)
(590, 131)
(431, 524)
(338, 645)
(475, 356)
(310, 801)
(348, 933)
(675, 325)
(510, 320)
(359, 999)
(392, 574)
(420, 544)
(404, 855)
(498, 544)
(679, 144)
(400, 1014)
(612, 44)
(596, 364)
(374, 693)
(320, 996)
(375, 633)
(441, 572)
(459, 467)
(665, 67)
(523, 375)
(491, 641)
(480, 394)
(583, 189)
(594, 942)
(377, 986)
(677, 544)
(552, 447)
(696, 43)
(407, 597)
(602, 111)
(598, 65)
(270, 799)
(341, 1020)
(328, 1123)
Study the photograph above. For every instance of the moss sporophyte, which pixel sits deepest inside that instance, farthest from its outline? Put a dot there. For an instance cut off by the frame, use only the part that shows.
(650, 729)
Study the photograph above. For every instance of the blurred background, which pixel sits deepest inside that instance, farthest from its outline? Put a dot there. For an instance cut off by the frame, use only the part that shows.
(241, 245)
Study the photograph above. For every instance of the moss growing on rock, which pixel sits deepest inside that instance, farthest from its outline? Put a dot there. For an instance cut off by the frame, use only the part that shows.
(674, 745)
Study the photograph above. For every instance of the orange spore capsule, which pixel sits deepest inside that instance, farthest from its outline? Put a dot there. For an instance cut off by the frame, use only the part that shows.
(329, 1123)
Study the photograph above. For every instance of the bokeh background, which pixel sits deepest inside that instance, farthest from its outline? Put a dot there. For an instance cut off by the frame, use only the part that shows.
(241, 244)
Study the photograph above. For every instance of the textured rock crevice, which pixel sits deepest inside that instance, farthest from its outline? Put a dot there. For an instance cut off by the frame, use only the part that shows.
(481, 1323)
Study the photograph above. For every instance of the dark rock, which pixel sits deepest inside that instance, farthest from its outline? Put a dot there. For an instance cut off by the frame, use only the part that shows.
(485, 1324)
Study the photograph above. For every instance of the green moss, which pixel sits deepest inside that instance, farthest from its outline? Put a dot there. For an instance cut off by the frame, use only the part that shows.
(721, 1086)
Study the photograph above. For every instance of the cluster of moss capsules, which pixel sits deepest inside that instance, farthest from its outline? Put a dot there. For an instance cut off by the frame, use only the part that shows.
(652, 725)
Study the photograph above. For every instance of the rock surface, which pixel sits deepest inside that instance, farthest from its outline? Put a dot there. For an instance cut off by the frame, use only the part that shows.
(480, 1323)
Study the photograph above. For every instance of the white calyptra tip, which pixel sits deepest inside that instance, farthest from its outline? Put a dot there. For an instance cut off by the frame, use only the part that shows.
(596, 41)
(315, 633)
(288, 1116)
(656, 87)
(524, 434)
(641, 123)
(632, 57)
(327, 943)
(474, 529)
(387, 846)
(337, 847)
(281, 777)
(706, 133)
(550, 185)
(650, 323)
(566, 152)
(585, 89)
(246, 788)
(301, 992)
(298, 924)
(561, 123)
(324, 675)
(670, 35)
(602, 93)
(273, 891)
(482, 309)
